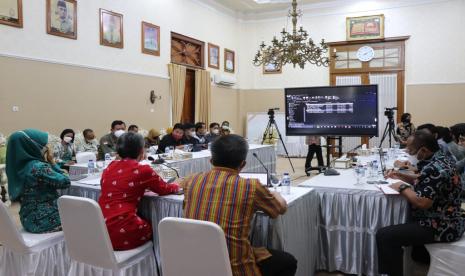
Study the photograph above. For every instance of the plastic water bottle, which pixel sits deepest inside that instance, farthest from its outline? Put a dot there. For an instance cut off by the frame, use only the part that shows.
(107, 159)
(90, 167)
(286, 184)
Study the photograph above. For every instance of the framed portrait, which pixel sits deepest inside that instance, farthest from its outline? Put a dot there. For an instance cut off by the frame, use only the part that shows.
(11, 13)
(213, 56)
(365, 27)
(270, 68)
(229, 62)
(111, 29)
(62, 18)
(150, 39)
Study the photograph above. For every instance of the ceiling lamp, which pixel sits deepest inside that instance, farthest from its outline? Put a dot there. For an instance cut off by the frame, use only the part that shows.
(296, 47)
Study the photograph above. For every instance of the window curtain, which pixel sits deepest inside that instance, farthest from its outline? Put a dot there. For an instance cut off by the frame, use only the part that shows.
(202, 96)
(177, 86)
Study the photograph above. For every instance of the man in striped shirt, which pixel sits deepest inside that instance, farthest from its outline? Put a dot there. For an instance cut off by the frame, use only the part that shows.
(223, 197)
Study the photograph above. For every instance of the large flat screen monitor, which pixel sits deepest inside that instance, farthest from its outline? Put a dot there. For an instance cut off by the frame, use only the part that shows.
(332, 110)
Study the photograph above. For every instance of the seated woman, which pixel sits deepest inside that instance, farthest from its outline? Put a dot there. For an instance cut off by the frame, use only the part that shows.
(152, 139)
(64, 151)
(33, 180)
(123, 185)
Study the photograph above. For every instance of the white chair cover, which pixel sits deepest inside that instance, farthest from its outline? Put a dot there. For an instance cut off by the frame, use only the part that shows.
(447, 258)
(89, 244)
(30, 254)
(84, 157)
(192, 247)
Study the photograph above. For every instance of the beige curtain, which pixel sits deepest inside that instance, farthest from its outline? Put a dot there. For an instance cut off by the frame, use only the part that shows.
(177, 85)
(203, 89)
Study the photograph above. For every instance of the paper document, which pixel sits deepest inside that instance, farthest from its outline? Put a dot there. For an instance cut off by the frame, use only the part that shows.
(91, 180)
(387, 190)
(262, 177)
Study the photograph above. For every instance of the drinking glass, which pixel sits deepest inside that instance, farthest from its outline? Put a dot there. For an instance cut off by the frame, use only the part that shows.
(358, 171)
(275, 180)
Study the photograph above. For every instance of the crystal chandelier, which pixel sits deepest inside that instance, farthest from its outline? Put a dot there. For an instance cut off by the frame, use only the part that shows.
(296, 47)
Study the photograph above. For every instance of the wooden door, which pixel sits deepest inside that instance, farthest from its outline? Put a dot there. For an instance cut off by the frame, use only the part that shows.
(188, 107)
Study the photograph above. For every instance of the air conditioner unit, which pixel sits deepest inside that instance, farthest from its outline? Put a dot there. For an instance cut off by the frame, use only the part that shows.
(224, 80)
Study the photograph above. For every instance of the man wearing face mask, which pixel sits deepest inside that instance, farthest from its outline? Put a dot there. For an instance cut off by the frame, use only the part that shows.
(435, 200)
(64, 151)
(108, 141)
(404, 130)
(89, 144)
(174, 139)
(214, 132)
(200, 136)
(189, 134)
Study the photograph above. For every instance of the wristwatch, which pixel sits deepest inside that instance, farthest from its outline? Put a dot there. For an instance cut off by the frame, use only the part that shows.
(403, 186)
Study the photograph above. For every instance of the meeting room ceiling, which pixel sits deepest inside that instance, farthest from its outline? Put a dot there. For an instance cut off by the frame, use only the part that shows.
(258, 6)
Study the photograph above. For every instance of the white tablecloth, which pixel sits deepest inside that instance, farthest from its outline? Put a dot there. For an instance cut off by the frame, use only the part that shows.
(200, 162)
(348, 218)
(294, 232)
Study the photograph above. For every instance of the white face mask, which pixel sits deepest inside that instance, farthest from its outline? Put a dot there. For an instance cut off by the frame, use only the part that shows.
(67, 139)
(413, 160)
(215, 131)
(118, 133)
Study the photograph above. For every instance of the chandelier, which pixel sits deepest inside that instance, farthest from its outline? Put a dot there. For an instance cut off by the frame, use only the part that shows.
(296, 47)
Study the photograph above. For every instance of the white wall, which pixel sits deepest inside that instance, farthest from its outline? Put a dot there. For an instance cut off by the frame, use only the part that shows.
(187, 17)
(434, 53)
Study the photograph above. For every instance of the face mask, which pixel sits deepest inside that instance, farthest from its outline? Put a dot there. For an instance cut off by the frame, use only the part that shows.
(215, 131)
(118, 133)
(67, 139)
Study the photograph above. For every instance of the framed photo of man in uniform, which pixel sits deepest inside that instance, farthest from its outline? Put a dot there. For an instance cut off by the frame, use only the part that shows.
(62, 18)
(111, 29)
(11, 13)
(150, 39)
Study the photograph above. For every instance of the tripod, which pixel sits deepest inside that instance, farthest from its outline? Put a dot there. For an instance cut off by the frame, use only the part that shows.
(389, 131)
(269, 132)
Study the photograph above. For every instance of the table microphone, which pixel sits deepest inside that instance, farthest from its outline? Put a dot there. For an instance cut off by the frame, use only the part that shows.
(268, 184)
(161, 161)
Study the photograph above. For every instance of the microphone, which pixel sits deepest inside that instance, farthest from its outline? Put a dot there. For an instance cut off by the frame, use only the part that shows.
(268, 184)
(161, 161)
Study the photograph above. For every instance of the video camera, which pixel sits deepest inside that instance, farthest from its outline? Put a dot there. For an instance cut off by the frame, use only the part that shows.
(272, 110)
(389, 112)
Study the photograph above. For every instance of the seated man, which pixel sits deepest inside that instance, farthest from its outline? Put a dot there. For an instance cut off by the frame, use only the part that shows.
(189, 135)
(89, 144)
(435, 200)
(223, 197)
(108, 141)
(214, 132)
(174, 139)
(133, 128)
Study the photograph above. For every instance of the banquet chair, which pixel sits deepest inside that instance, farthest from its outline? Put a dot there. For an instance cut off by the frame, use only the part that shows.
(447, 258)
(192, 247)
(30, 254)
(84, 157)
(89, 244)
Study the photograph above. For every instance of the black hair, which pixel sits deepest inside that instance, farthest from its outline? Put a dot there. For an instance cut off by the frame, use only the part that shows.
(87, 131)
(225, 122)
(229, 151)
(404, 117)
(66, 131)
(116, 123)
(199, 125)
(444, 134)
(178, 126)
(132, 127)
(212, 125)
(428, 126)
(188, 126)
(424, 138)
(129, 145)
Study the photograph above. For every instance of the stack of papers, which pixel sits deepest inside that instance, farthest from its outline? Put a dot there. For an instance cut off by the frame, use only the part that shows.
(387, 190)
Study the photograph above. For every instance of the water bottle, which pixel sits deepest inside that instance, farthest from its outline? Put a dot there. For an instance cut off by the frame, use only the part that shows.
(107, 159)
(90, 167)
(286, 184)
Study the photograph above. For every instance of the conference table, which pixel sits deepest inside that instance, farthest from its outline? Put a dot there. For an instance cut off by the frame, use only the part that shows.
(294, 232)
(348, 217)
(200, 162)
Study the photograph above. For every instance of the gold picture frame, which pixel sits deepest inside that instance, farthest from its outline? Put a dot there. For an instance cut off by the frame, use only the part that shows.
(272, 69)
(111, 29)
(365, 27)
(150, 39)
(62, 18)
(213, 56)
(229, 61)
(11, 13)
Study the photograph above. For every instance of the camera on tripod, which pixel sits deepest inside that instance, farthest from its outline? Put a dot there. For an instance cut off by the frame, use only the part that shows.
(271, 111)
(389, 112)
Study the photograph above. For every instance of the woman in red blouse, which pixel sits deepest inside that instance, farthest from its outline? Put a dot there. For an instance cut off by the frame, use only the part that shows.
(123, 185)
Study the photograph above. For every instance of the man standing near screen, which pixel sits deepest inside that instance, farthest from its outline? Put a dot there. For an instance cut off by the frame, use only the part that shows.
(314, 146)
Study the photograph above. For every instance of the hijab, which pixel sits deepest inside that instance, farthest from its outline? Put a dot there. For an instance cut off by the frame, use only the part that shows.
(23, 150)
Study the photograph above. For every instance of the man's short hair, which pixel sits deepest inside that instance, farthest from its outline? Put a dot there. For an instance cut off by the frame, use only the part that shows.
(178, 126)
(404, 117)
(199, 125)
(428, 126)
(87, 131)
(424, 138)
(229, 151)
(132, 127)
(129, 145)
(188, 126)
(117, 123)
(212, 125)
